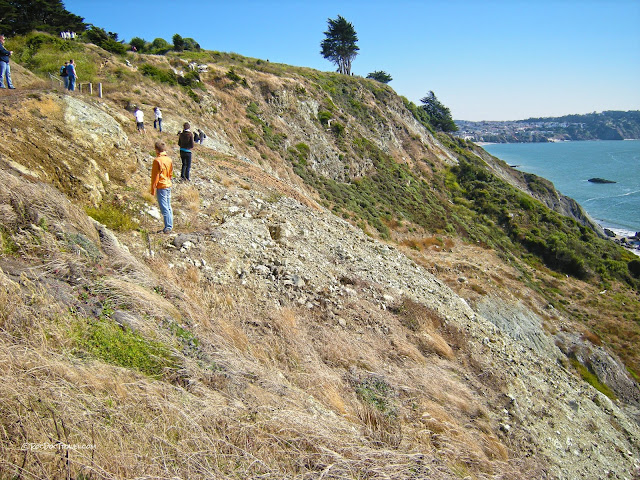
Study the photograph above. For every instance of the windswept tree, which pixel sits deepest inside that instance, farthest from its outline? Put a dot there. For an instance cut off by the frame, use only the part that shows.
(339, 46)
(178, 43)
(439, 115)
(380, 76)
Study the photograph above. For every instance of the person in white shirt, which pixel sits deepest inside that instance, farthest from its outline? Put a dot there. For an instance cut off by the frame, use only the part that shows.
(158, 119)
(139, 120)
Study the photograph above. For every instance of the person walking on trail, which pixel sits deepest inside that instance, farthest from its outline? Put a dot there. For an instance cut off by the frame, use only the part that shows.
(5, 69)
(186, 143)
(65, 75)
(161, 173)
(72, 75)
(201, 136)
(158, 118)
(139, 114)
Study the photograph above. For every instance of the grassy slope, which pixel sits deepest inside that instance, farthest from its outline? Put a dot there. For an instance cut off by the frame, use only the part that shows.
(435, 199)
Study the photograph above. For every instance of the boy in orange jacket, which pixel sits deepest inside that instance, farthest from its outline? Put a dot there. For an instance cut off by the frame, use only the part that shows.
(161, 173)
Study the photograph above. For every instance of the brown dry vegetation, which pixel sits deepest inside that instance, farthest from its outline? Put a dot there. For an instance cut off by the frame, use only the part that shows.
(248, 392)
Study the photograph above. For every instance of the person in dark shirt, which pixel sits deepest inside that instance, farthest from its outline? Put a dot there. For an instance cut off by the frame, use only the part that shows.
(5, 69)
(186, 143)
(65, 75)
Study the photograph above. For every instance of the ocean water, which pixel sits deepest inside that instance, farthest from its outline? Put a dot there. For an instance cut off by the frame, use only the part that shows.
(569, 165)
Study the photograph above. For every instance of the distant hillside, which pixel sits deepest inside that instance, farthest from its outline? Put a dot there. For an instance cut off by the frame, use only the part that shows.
(610, 125)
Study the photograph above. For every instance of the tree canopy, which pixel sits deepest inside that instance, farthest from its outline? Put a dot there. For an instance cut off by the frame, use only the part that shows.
(18, 17)
(439, 115)
(380, 76)
(339, 46)
(106, 40)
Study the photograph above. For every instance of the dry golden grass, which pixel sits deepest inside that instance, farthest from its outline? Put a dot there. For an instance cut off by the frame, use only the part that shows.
(434, 343)
(189, 198)
(426, 243)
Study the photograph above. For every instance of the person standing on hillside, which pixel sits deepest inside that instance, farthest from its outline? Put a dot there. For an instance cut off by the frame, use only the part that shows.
(186, 143)
(139, 114)
(5, 69)
(161, 174)
(201, 136)
(65, 75)
(72, 75)
(158, 118)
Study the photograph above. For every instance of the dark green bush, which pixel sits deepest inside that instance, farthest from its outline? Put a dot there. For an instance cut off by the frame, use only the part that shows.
(159, 75)
(324, 117)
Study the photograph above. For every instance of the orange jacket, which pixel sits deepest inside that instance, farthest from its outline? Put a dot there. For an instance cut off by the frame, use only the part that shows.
(161, 172)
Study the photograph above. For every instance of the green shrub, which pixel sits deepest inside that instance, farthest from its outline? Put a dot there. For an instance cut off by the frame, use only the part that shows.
(112, 216)
(634, 268)
(158, 74)
(337, 128)
(235, 78)
(377, 393)
(108, 341)
(324, 116)
(193, 95)
(7, 245)
(189, 79)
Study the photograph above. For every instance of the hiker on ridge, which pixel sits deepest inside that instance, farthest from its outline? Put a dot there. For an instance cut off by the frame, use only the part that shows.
(186, 143)
(65, 75)
(161, 173)
(139, 114)
(72, 75)
(158, 118)
(5, 70)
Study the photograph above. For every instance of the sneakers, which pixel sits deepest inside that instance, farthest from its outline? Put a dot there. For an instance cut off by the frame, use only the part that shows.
(164, 230)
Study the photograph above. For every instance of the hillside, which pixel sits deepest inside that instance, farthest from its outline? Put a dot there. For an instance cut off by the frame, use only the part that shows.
(346, 293)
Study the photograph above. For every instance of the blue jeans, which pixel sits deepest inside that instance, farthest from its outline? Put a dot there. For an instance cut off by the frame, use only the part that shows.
(5, 71)
(66, 82)
(72, 82)
(158, 122)
(164, 202)
(186, 165)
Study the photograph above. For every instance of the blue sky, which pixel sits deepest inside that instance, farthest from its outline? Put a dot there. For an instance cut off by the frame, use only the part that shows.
(485, 60)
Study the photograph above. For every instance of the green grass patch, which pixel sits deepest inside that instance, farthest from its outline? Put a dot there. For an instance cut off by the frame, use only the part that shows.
(113, 217)
(108, 341)
(592, 379)
(7, 245)
(377, 393)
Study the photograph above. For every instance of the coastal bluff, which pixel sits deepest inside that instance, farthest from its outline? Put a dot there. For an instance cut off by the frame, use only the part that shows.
(294, 325)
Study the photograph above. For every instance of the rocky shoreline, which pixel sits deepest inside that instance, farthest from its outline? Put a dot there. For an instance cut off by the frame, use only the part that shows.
(630, 242)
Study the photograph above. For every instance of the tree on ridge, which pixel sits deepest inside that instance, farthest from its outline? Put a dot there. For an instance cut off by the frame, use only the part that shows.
(380, 76)
(339, 46)
(439, 115)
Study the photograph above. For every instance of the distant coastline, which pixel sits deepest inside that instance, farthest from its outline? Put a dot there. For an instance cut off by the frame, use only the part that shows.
(609, 125)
